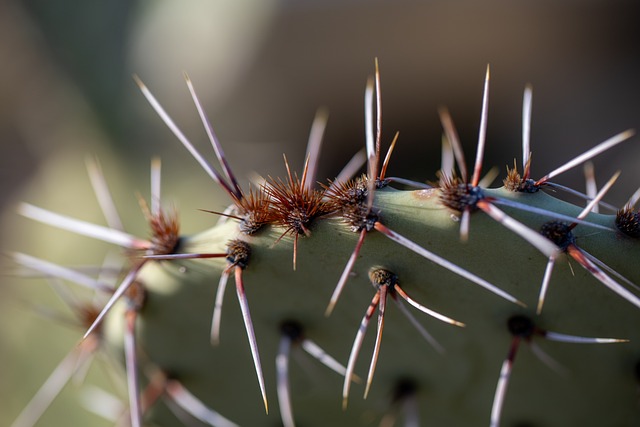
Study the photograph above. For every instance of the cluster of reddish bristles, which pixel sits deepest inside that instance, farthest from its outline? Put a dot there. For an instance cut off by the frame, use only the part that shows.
(293, 205)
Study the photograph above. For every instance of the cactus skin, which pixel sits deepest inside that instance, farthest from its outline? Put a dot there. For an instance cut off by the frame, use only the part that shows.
(453, 389)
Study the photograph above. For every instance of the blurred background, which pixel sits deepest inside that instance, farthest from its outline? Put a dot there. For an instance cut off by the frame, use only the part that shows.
(262, 69)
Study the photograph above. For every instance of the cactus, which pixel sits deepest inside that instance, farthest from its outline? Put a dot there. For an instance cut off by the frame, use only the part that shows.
(520, 270)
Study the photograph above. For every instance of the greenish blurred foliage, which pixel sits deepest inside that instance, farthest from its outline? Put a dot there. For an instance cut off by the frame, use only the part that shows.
(89, 41)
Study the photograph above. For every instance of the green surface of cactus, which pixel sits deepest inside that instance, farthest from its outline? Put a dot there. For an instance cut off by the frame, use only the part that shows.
(456, 388)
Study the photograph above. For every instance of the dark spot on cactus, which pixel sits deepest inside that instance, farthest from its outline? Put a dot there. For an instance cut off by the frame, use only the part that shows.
(529, 186)
(358, 190)
(559, 233)
(628, 222)
(404, 387)
(521, 326)
(360, 218)
(238, 253)
(380, 277)
(291, 329)
(459, 195)
(179, 245)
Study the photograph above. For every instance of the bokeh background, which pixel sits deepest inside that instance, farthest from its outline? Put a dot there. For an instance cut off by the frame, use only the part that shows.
(263, 68)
